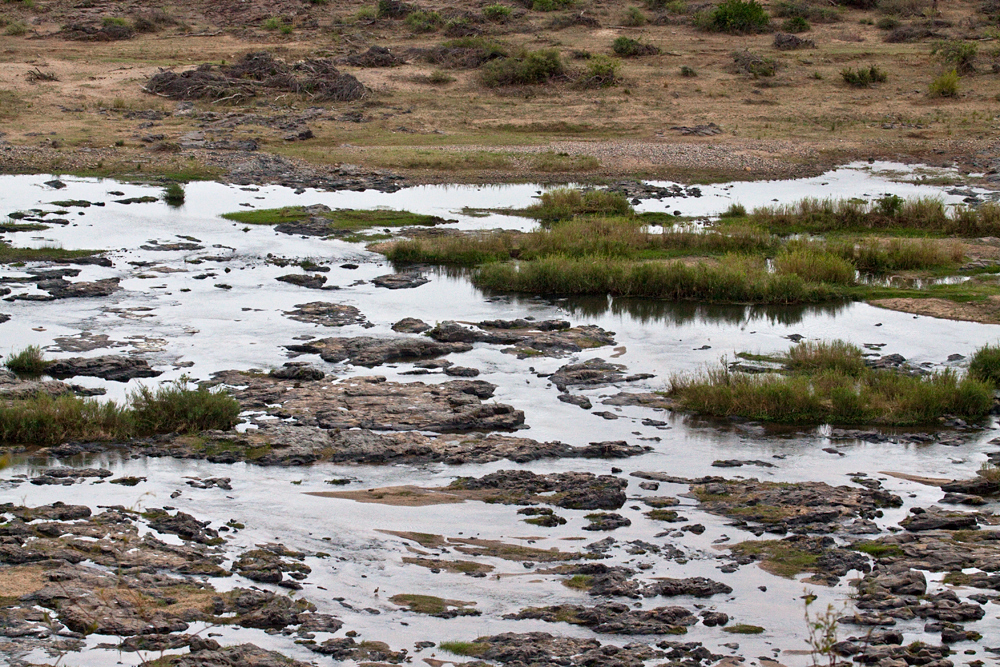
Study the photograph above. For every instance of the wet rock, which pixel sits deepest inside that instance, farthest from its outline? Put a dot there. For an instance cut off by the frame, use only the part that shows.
(373, 403)
(542, 516)
(183, 525)
(738, 463)
(569, 490)
(801, 507)
(370, 352)
(606, 521)
(935, 519)
(68, 476)
(411, 325)
(131, 480)
(699, 587)
(116, 368)
(614, 618)
(4, 318)
(315, 281)
(594, 372)
(171, 247)
(347, 648)
(208, 653)
(263, 610)
(461, 371)
(211, 483)
(963, 499)
(906, 582)
(57, 511)
(530, 337)
(712, 619)
(270, 563)
(59, 288)
(581, 401)
(297, 370)
(541, 649)
(326, 314)
(400, 280)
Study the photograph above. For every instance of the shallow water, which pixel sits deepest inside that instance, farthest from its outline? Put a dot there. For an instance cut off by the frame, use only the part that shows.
(186, 326)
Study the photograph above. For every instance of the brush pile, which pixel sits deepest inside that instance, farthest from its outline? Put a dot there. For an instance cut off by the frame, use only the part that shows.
(256, 74)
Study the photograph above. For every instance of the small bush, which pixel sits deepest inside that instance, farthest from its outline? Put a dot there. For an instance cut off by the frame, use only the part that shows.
(439, 78)
(626, 47)
(959, 55)
(800, 9)
(421, 21)
(29, 362)
(550, 5)
(796, 24)
(173, 194)
(754, 64)
(736, 17)
(529, 68)
(864, 77)
(177, 409)
(985, 365)
(688, 71)
(734, 211)
(902, 7)
(392, 9)
(497, 13)
(887, 23)
(945, 85)
(279, 24)
(815, 266)
(634, 18)
(114, 21)
(602, 72)
(16, 29)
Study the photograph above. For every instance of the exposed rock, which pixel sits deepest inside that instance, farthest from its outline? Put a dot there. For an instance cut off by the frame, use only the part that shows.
(550, 337)
(327, 314)
(346, 648)
(297, 370)
(368, 351)
(315, 281)
(699, 587)
(68, 476)
(183, 525)
(411, 325)
(60, 288)
(373, 403)
(269, 563)
(614, 618)
(593, 372)
(569, 490)
(208, 653)
(541, 649)
(400, 280)
(935, 519)
(606, 521)
(116, 368)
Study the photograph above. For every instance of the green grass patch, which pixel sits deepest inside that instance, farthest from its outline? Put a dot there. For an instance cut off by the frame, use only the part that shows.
(173, 194)
(11, 255)
(828, 383)
(743, 629)
(735, 17)
(470, 649)
(527, 68)
(173, 408)
(29, 362)
(778, 557)
(567, 203)
(580, 582)
(985, 365)
(877, 549)
(340, 220)
(734, 279)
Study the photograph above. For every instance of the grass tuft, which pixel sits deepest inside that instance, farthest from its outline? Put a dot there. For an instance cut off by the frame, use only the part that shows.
(29, 362)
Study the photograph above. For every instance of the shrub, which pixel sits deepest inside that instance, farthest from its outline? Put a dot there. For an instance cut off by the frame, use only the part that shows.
(29, 362)
(836, 355)
(816, 266)
(175, 408)
(565, 203)
(796, 24)
(985, 365)
(902, 7)
(114, 21)
(736, 17)
(279, 24)
(887, 23)
(550, 5)
(392, 9)
(496, 12)
(602, 72)
(864, 77)
(688, 71)
(529, 68)
(734, 211)
(945, 85)
(626, 47)
(754, 64)
(421, 21)
(959, 55)
(805, 10)
(173, 194)
(634, 17)
(16, 29)
(439, 78)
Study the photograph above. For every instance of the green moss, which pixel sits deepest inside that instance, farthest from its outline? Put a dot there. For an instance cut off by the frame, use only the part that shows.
(581, 582)
(877, 549)
(10, 255)
(743, 629)
(663, 515)
(471, 649)
(340, 220)
(778, 557)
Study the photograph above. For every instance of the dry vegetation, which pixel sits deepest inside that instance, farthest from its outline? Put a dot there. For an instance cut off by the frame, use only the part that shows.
(500, 91)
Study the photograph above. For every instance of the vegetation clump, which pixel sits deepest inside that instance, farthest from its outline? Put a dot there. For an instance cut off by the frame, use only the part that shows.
(735, 17)
(829, 383)
(626, 47)
(528, 68)
(754, 64)
(566, 203)
(29, 362)
(339, 219)
(173, 194)
(46, 420)
(985, 365)
(864, 77)
(945, 85)
(956, 54)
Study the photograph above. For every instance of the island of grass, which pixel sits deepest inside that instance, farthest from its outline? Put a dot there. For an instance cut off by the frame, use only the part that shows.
(339, 220)
(594, 243)
(12, 255)
(829, 382)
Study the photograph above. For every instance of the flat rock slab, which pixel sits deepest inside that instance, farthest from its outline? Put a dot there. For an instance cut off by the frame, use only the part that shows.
(14, 388)
(315, 281)
(530, 337)
(373, 403)
(326, 314)
(614, 618)
(59, 288)
(411, 325)
(369, 351)
(591, 373)
(400, 280)
(110, 367)
(4, 318)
